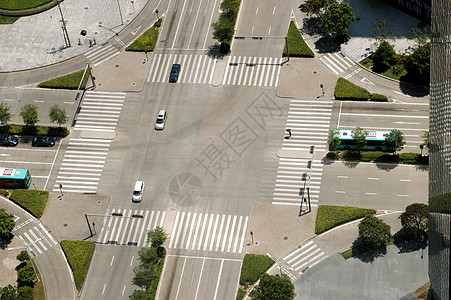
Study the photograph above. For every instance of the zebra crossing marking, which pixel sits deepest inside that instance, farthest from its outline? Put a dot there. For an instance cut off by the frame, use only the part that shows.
(336, 62)
(38, 239)
(102, 54)
(304, 257)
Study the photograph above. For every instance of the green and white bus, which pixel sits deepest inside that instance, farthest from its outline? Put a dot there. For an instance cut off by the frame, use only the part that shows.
(374, 140)
(14, 178)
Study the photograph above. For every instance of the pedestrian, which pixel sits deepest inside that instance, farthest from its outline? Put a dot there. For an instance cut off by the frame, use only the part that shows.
(289, 131)
(79, 41)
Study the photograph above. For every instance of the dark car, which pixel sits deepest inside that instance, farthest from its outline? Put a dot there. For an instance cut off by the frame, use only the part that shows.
(175, 70)
(8, 140)
(43, 141)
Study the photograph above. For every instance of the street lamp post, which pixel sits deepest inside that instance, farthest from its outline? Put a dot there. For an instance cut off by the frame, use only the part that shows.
(120, 12)
(63, 27)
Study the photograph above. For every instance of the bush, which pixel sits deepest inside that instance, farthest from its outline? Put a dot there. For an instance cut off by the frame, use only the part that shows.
(35, 130)
(409, 158)
(378, 97)
(69, 81)
(332, 155)
(25, 293)
(4, 193)
(147, 41)
(79, 255)
(33, 201)
(330, 216)
(297, 47)
(254, 265)
(224, 28)
(241, 293)
(346, 90)
(373, 232)
(25, 275)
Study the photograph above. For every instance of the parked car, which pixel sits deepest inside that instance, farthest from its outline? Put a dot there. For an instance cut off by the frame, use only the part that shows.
(8, 140)
(161, 120)
(138, 191)
(175, 70)
(43, 141)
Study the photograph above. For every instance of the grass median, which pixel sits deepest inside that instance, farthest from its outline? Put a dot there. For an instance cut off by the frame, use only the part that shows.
(148, 40)
(330, 216)
(69, 82)
(79, 255)
(297, 47)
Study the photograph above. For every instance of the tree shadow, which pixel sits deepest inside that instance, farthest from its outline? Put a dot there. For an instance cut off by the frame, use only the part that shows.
(412, 89)
(423, 168)
(407, 243)
(367, 255)
(5, 241)
(214, 52)
(386, 166)
(326, 45)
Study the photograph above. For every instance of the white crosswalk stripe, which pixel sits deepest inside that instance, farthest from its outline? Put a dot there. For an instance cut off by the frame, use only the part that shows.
(223, 233)
(38, 239)
(100, 111)
(304, 258)
(336, 62)
(82, 165)
(101, 54)
(309, 124)
(257, 71)
(129, 227)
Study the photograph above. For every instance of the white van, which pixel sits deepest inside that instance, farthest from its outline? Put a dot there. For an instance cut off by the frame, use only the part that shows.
(138, 191)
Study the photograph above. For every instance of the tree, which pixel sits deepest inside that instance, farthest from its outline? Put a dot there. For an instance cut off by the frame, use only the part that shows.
(26, 275)
(334, 139)
(273, 287)
(426, 139)
(414, 220)
(25, 293)
(384, 56)
(421, 36)
(395, 140)
(29, 114)
(9, 292)
(148, 255)
(5, 114)
(381, 31)
(317, 7)
(140, 295)
(337, 18)
(143, 276)
(23, 256)
(157, 237)
(417, 65)
(6, 223)
(359, 135)
(57, 115)
(373, 232)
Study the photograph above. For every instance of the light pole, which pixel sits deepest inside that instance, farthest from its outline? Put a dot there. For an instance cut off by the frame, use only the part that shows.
(120, 13)
(280, 265)
(63, 26)
(27, 246)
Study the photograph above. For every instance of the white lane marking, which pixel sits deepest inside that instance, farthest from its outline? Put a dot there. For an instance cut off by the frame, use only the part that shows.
(342, 176)
(219, 279)
(371, 194)
(181, 276)
(405, 180)
(385, 116)
(403, 195)
(373, 178)
(112, 259)
(340, 192)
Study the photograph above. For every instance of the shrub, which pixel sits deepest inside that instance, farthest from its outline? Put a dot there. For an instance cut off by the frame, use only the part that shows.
(79, 255)
(33, 201)
(409, 158)
(35, 130)
(25, 293)
(346, 90)
(158, 268)
(70, 81)
(147, 41)
(254, 265)
(25, 275)
(330, 216)
(351, 155)
(378, 97)
(241, 293)
(297, 47)
(332, 155)
(373, 232)
(4, 193)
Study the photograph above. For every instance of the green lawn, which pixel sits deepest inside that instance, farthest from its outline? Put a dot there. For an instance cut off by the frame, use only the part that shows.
(79, 255)
(147, 41)
(254, 265)
(297, 47)
(22, 4)
(70, 81)
(8, 20)
(33, 201)
(330, 216)
(395, 71)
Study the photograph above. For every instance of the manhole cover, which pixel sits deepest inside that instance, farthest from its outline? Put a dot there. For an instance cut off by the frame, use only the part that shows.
(98, 202)
(133, 83)
(257, 243)
(185, 189)
(315, 72)
(116, 66)
(64, 225)
(285, 238)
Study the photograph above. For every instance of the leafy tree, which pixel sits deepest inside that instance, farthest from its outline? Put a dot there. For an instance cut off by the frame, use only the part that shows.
(359, 135)
(273, 287)
(157, 237)
(148, 255)
(6, 223)
(419, 35)
(373, 232)
(9, 292)
(57, 115)
(316, 7)
(337, 18)
(223, 30)
(140, 295)
(143, 276)
(417, 65)
(384, 56)
(426, 139)
(334, 139)
(395, 140)
(414, 220)
(29, 114)
(23, 256)
(26, 275)
(25, 293)
(5, 114)
(381, 31)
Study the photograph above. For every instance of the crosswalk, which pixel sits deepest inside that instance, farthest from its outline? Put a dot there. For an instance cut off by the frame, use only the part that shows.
(190, 230)
(82, 165)
(100, 111)
(299, 179)
(37, 238)
(101, 54)
(303, 258)
(199, 69)
(252, 71)
(336, 62)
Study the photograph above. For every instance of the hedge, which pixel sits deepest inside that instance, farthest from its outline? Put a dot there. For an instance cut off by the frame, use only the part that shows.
(33, 201)
(378, 97)
(148, 40)
(158, 269)
(330, 216)
(254, 265)
(296, 45)
(409, 158)
(35, 130)
(69, 82)
(346, 90)
(4, 193)
(79, 255)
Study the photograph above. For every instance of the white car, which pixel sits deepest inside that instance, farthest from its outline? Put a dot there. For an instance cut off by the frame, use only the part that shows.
(161, 119)
(138, 191)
